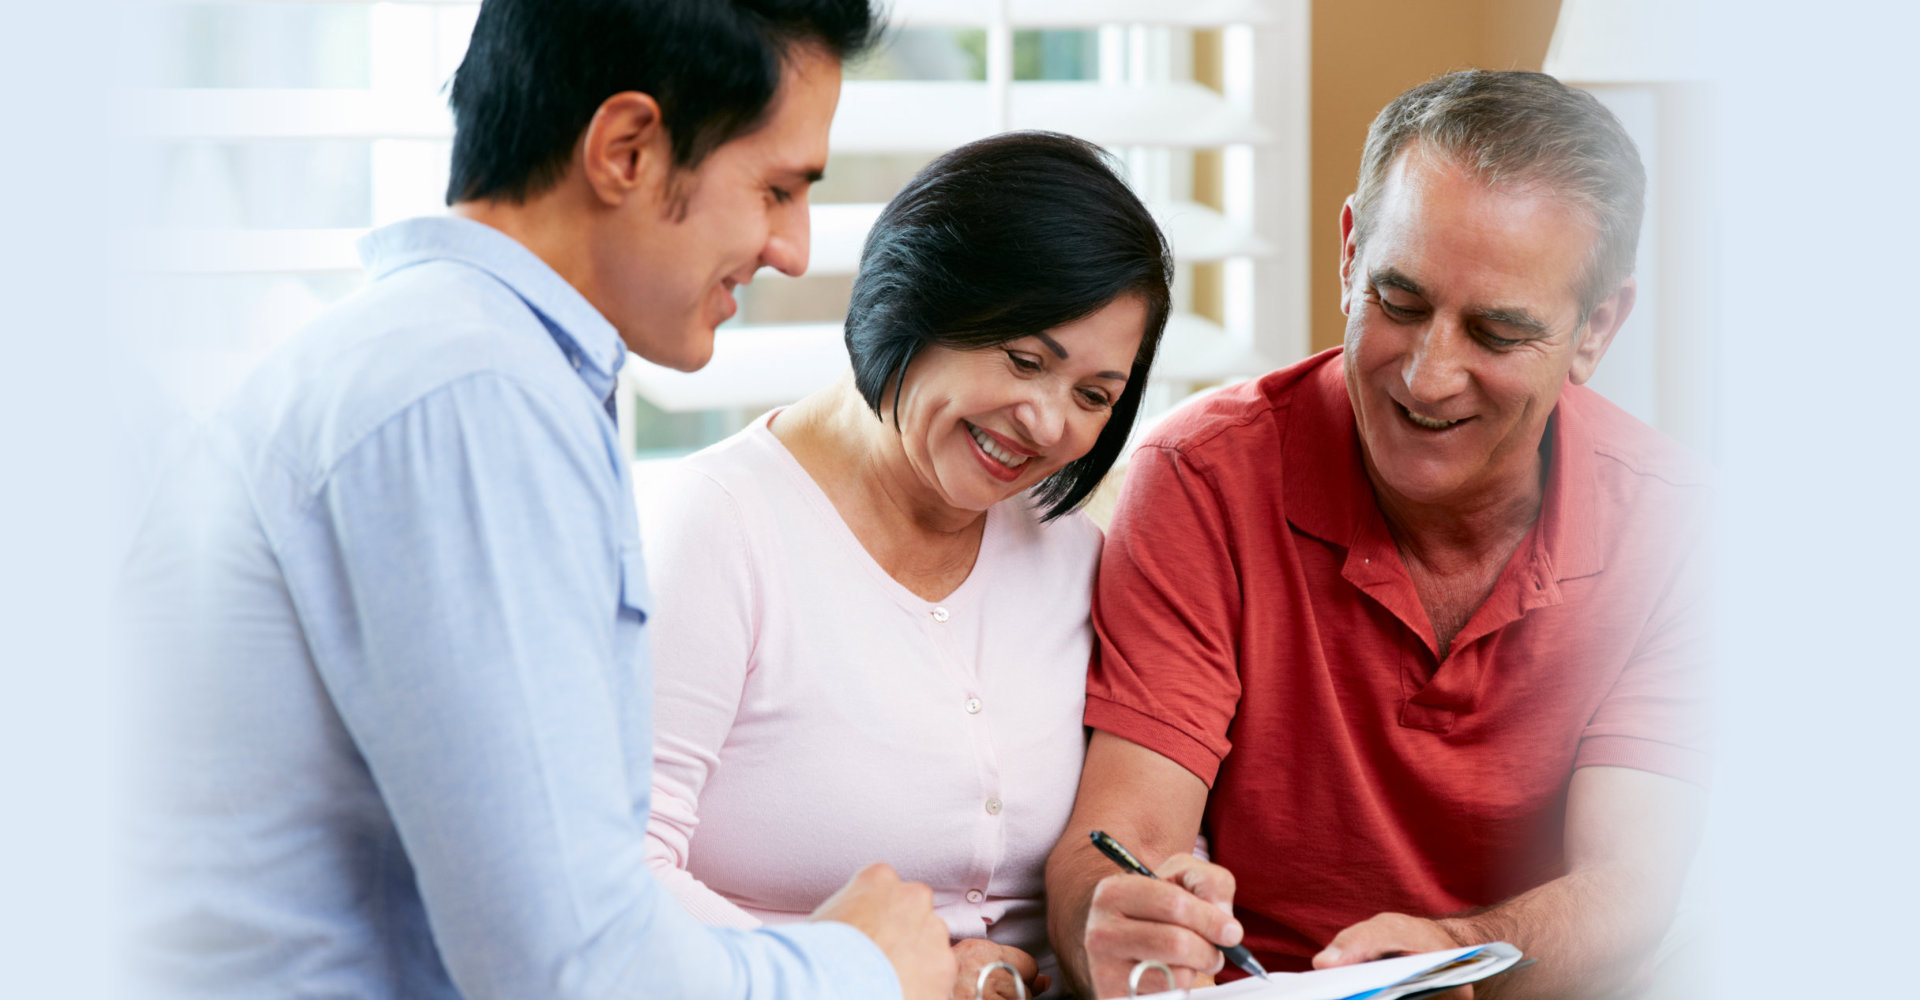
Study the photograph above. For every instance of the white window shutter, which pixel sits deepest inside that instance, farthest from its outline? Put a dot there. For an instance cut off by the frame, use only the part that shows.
(1144, 106)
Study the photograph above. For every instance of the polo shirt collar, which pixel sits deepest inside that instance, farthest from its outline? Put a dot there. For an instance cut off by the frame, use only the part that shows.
(1569, 521)
(1327, 486)
(589, 341)
(1330, 497)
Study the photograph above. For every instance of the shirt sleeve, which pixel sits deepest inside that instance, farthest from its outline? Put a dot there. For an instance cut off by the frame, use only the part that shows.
(473, 538)
(1655, 717)
(703, 639)
(1166, 615)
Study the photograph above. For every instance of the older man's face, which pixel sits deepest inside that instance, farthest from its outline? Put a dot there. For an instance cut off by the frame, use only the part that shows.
(1462, 316)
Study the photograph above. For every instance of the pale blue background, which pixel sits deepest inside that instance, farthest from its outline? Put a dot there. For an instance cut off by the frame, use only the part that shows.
(1814, 869)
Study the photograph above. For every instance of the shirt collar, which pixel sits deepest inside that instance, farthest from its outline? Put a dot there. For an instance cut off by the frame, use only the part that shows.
(1569, 521)
(589, 341)
(1330, 497)
(1327, 487)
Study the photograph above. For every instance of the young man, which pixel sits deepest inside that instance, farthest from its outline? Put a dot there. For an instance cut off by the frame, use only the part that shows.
(391, 610)
(1412, 626)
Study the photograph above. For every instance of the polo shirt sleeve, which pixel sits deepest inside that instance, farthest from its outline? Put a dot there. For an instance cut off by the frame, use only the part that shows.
(1655, 716)
(1166, 614)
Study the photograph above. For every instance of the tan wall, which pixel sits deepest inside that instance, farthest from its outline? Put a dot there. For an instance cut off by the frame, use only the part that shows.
(1364, 53)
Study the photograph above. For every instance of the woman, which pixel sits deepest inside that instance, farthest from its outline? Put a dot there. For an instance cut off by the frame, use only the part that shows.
(871, 636)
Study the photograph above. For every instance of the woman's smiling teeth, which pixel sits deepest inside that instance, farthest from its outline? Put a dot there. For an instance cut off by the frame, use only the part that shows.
(992, 448)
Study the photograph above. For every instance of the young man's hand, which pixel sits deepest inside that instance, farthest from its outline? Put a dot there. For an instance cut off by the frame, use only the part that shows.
(899, 917)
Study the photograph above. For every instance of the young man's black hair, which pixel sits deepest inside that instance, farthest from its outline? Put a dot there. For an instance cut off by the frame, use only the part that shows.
(537, 70)
(1000, 239)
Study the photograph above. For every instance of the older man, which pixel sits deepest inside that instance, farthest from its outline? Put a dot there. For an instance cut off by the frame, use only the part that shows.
(1410, 630)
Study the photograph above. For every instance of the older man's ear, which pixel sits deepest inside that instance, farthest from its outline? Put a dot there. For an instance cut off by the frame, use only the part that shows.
(1347, 250)
(1607, 318)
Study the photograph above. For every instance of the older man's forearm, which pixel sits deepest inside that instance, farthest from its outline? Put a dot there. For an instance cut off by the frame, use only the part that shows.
(1073, 870)
(1592, 932)
(1119, 776)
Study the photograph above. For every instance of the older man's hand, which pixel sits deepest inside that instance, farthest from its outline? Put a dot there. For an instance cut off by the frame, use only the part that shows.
(1385, 936)
(1178, 919)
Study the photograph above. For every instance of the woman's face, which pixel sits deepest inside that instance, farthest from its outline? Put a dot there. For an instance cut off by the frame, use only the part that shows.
(979, 426)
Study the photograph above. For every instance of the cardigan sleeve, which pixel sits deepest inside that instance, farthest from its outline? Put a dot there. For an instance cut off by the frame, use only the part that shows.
(703, 639)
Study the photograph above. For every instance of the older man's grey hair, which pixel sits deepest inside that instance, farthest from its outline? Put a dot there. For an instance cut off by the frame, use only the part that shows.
(1515, 129)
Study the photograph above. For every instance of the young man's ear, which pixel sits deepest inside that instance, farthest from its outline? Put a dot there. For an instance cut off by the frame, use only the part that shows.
(624, 147)
(1606, 320)
(1347, 250)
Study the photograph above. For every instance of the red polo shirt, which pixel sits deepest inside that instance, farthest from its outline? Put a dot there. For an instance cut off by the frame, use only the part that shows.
(1258, 627)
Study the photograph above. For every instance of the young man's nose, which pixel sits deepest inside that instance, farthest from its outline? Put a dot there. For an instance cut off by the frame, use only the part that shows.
(789, 238)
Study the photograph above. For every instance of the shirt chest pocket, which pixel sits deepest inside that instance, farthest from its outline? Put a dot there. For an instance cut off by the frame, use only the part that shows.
(631, 681)
(636, 599)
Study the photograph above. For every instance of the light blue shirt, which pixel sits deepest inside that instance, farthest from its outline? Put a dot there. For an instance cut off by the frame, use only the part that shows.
(388, 622)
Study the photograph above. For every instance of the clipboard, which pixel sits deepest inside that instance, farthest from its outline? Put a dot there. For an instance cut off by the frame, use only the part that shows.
(1407, 977)
(1401, 978)
(1020, 986)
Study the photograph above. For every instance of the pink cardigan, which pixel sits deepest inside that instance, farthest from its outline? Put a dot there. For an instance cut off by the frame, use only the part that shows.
(812, 715)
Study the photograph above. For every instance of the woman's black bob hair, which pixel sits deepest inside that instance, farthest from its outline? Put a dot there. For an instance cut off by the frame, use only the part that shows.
(1000, 239)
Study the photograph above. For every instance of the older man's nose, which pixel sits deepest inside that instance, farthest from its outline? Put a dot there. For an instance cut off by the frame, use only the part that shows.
(1437, 367)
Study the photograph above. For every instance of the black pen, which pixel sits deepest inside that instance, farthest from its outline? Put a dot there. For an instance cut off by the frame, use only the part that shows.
(1125, 859)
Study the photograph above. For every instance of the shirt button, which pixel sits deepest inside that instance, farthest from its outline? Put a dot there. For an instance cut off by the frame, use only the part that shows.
(975, 895)
(576, 362)
(993, 807)
(973, 706)
(940, 614)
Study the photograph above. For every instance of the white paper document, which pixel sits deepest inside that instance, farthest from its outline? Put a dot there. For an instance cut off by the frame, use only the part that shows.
(1382, 980)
